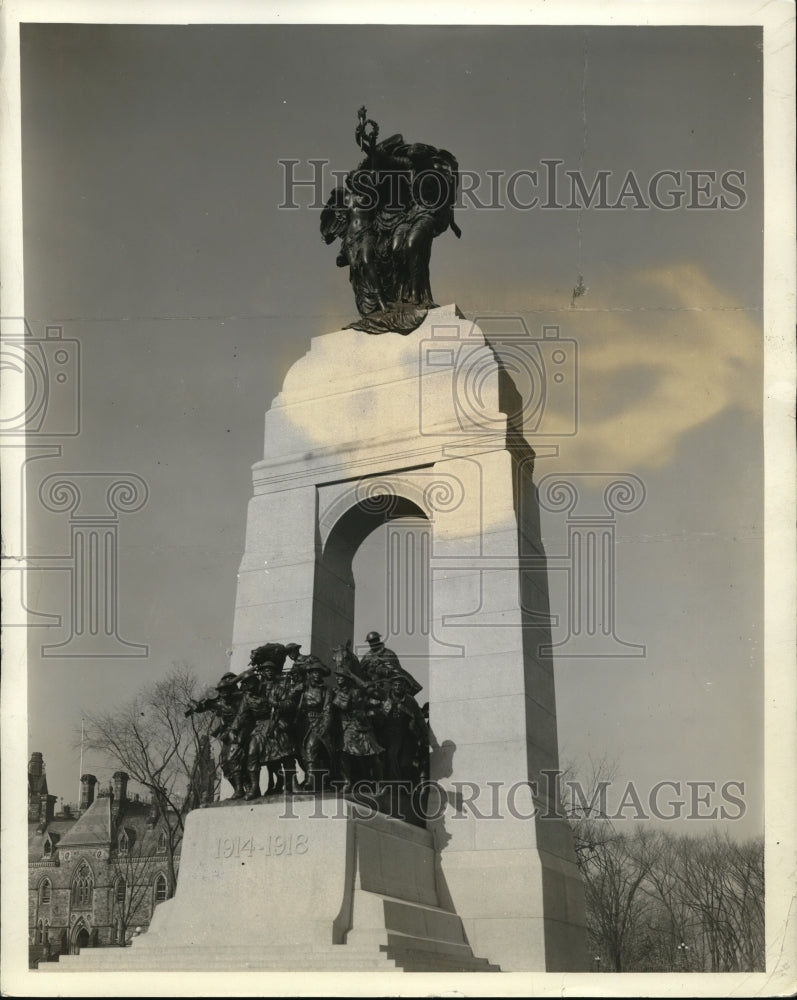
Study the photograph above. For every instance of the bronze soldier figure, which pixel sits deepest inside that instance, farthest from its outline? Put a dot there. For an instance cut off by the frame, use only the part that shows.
(277, 750)
(405, 732)
(224, 705)
(381, 664)
(316, 747)
(359, 750)
(251, 726)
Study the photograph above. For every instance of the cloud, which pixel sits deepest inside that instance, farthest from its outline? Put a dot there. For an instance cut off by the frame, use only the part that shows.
(677, 354)
(650, 375)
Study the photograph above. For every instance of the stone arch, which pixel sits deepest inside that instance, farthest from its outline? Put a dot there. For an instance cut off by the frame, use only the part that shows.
(80, 937)
(346, 523)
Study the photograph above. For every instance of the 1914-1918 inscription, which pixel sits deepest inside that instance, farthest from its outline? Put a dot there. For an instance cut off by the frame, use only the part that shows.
(273, 846)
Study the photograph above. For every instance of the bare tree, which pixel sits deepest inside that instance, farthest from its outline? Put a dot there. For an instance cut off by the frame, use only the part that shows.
(721, 883)
(584, 797)
(617, 905)
(660, 901)
(132, 884)
(151, 738)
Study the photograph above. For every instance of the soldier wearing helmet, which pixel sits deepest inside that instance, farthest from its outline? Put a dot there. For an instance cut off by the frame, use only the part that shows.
(381, 664)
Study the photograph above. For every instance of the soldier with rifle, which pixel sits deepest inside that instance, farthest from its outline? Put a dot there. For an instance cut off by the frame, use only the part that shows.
(224, 702)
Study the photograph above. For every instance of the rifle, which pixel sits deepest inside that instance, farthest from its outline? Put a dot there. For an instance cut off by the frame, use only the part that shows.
(203, 705)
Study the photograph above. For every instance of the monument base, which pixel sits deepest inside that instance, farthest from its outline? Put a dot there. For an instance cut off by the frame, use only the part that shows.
(297, 884)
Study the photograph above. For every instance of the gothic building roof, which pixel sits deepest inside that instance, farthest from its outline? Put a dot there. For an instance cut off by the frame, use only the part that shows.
(100, 826)
(56, 828)
(93, 826)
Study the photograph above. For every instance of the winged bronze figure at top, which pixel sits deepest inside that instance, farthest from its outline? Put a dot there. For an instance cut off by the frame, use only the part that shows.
(386, 214)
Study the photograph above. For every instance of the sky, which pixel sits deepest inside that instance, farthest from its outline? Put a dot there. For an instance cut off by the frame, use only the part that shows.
(153, 237)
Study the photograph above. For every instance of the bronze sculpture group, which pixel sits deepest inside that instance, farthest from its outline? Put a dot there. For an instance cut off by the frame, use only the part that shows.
(368, 728)
(386, 214)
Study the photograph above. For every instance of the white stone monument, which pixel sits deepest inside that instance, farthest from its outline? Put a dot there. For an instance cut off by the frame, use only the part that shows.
(368, 429)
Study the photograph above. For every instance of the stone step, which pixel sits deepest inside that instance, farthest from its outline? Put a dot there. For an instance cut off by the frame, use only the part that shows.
(404, 917)
(421, 934)
(421, 959)
(414, 942)
(403, 953)
(190, 960)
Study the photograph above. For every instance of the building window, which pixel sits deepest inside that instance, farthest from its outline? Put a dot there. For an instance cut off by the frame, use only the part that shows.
(45, 891)
(162, 843)
(121, 891)
(83, 888)
(124, 843)
(161, 889)
(48, 848)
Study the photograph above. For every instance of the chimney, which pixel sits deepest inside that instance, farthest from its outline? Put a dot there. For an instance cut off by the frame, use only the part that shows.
(48, 807)
(120, 780)
(87, 783)
(34, 808)
(35, 789)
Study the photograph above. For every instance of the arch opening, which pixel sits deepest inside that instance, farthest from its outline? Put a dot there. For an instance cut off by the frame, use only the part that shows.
(372, 575)
(382, 575)
(80, 939)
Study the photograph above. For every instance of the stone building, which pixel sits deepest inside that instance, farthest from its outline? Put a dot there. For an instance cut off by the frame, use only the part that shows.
(95, 873)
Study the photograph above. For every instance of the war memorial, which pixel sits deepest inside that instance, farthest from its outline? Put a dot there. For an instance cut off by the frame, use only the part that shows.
(373, 825)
